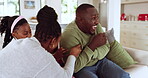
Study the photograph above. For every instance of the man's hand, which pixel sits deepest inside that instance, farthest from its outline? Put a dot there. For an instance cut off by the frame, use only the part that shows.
(97, 41)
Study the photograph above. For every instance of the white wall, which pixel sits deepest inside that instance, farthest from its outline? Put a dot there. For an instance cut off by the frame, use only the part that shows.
(56, 4)
(103, 14)
(85, 1)
(93, 2)
(96, 4)
(136, 9)
(113, 17)
(28, 13)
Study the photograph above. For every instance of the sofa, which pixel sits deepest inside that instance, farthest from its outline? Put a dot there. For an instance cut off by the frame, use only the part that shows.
(139, 70)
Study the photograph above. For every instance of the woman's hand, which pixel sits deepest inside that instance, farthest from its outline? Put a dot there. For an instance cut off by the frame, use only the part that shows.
(76, 50)
(58, 55)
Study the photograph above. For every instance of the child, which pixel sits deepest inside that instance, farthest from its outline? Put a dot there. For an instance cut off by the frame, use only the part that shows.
(14, 27)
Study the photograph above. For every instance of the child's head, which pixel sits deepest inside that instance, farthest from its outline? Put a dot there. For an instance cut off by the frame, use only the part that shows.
(48, 29)
(14, 27)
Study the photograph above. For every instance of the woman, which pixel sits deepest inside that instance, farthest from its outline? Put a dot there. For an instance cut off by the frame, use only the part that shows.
(32, 58)
(14, 27)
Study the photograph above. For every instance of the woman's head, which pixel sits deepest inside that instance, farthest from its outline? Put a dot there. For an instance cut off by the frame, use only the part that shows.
(14, 27)
(48, 30)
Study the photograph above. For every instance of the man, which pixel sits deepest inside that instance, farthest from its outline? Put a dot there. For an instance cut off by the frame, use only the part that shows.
(85, 30)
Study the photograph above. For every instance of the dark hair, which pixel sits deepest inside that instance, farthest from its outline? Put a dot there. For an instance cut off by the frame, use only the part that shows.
(5, 27)
(47, 26)
(82, 8)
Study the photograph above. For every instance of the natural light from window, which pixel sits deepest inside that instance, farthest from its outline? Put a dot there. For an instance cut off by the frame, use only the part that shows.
(68, 11)
(9, 7)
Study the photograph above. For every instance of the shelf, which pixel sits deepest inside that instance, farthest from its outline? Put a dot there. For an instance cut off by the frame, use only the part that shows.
(133, 2)
(134, 34)
(135, 21)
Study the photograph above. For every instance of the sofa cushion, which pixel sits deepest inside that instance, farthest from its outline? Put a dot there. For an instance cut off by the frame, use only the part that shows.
(140, 56)
(137, 71)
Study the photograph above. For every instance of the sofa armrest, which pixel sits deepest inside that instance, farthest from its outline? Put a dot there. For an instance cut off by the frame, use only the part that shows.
(140, 56)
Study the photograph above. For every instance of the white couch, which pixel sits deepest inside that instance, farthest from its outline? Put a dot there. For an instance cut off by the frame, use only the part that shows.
(139, 70)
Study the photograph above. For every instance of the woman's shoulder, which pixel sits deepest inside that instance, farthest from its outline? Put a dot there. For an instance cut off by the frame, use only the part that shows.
(25, 42)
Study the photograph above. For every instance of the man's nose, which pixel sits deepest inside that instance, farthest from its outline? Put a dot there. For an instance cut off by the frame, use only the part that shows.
(96, 22)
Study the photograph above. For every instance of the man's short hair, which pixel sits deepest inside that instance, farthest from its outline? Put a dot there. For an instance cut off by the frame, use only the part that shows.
(83, 7)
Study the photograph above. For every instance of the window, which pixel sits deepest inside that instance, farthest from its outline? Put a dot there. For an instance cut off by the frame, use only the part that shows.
(68, 11)
(9, 7)
(43, 3)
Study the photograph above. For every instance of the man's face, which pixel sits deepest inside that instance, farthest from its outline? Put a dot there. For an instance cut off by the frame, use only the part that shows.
(90, 20)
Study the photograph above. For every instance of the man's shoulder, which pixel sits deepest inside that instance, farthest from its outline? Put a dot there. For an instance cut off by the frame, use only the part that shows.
(71, 29)
(70, 26)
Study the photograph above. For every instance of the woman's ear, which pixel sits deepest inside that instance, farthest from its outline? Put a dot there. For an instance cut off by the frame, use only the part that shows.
(53, 40)
(50, 45)
(14, 34)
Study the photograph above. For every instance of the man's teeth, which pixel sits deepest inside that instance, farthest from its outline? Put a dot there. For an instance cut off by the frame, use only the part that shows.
(94, 27)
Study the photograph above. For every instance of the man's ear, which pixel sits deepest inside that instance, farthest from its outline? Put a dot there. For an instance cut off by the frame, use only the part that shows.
(79, 18)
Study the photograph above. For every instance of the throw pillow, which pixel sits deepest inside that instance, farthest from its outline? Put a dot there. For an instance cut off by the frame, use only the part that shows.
(110, 35)
(117, 53)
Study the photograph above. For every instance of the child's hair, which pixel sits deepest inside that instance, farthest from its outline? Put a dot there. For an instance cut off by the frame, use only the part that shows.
(47, 26)
(5, 27)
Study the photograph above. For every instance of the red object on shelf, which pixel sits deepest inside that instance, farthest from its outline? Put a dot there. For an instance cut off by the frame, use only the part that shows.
(143, 17)
(123, 17)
